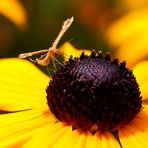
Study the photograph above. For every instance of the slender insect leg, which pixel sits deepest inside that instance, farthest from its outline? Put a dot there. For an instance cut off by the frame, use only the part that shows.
(34, 61)
(58, 62)
(49, 71)
(54, 65)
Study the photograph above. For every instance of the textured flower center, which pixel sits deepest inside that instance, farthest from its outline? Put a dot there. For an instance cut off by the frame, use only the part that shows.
(94, 93)
(94, 70)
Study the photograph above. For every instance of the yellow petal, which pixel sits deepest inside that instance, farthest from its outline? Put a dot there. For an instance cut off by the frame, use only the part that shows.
(80, 143)
(17, 117)
(19, 141)
(14, 11)
(101, 140)
(97, 139)
(131, 137)
(67, 50)
(75, 134)
(135, 134)
(141, 118)
(112, 142)
(65, 139)
(141, 72)
(22, 127)
(48, 137)
(22, 85)
(106, 140)
(90, 141)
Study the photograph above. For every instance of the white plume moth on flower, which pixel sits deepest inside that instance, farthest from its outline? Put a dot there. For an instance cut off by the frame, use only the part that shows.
(52, 52)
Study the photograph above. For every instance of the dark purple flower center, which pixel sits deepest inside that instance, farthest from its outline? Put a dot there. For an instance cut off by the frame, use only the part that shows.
(94, 93)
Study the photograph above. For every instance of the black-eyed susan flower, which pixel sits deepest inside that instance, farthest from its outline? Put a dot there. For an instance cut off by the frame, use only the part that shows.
(90, 101)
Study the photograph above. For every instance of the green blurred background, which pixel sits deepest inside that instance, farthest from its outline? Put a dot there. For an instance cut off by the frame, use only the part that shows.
(29, 25)
(44, 20)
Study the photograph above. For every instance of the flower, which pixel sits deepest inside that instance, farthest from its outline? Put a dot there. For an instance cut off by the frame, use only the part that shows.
(30, 123)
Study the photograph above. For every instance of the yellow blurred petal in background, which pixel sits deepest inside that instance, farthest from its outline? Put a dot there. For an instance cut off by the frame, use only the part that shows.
(144, 92)
(141, 72)
(129, 35)
(127, 26)
(134, 50)
(15, 12)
